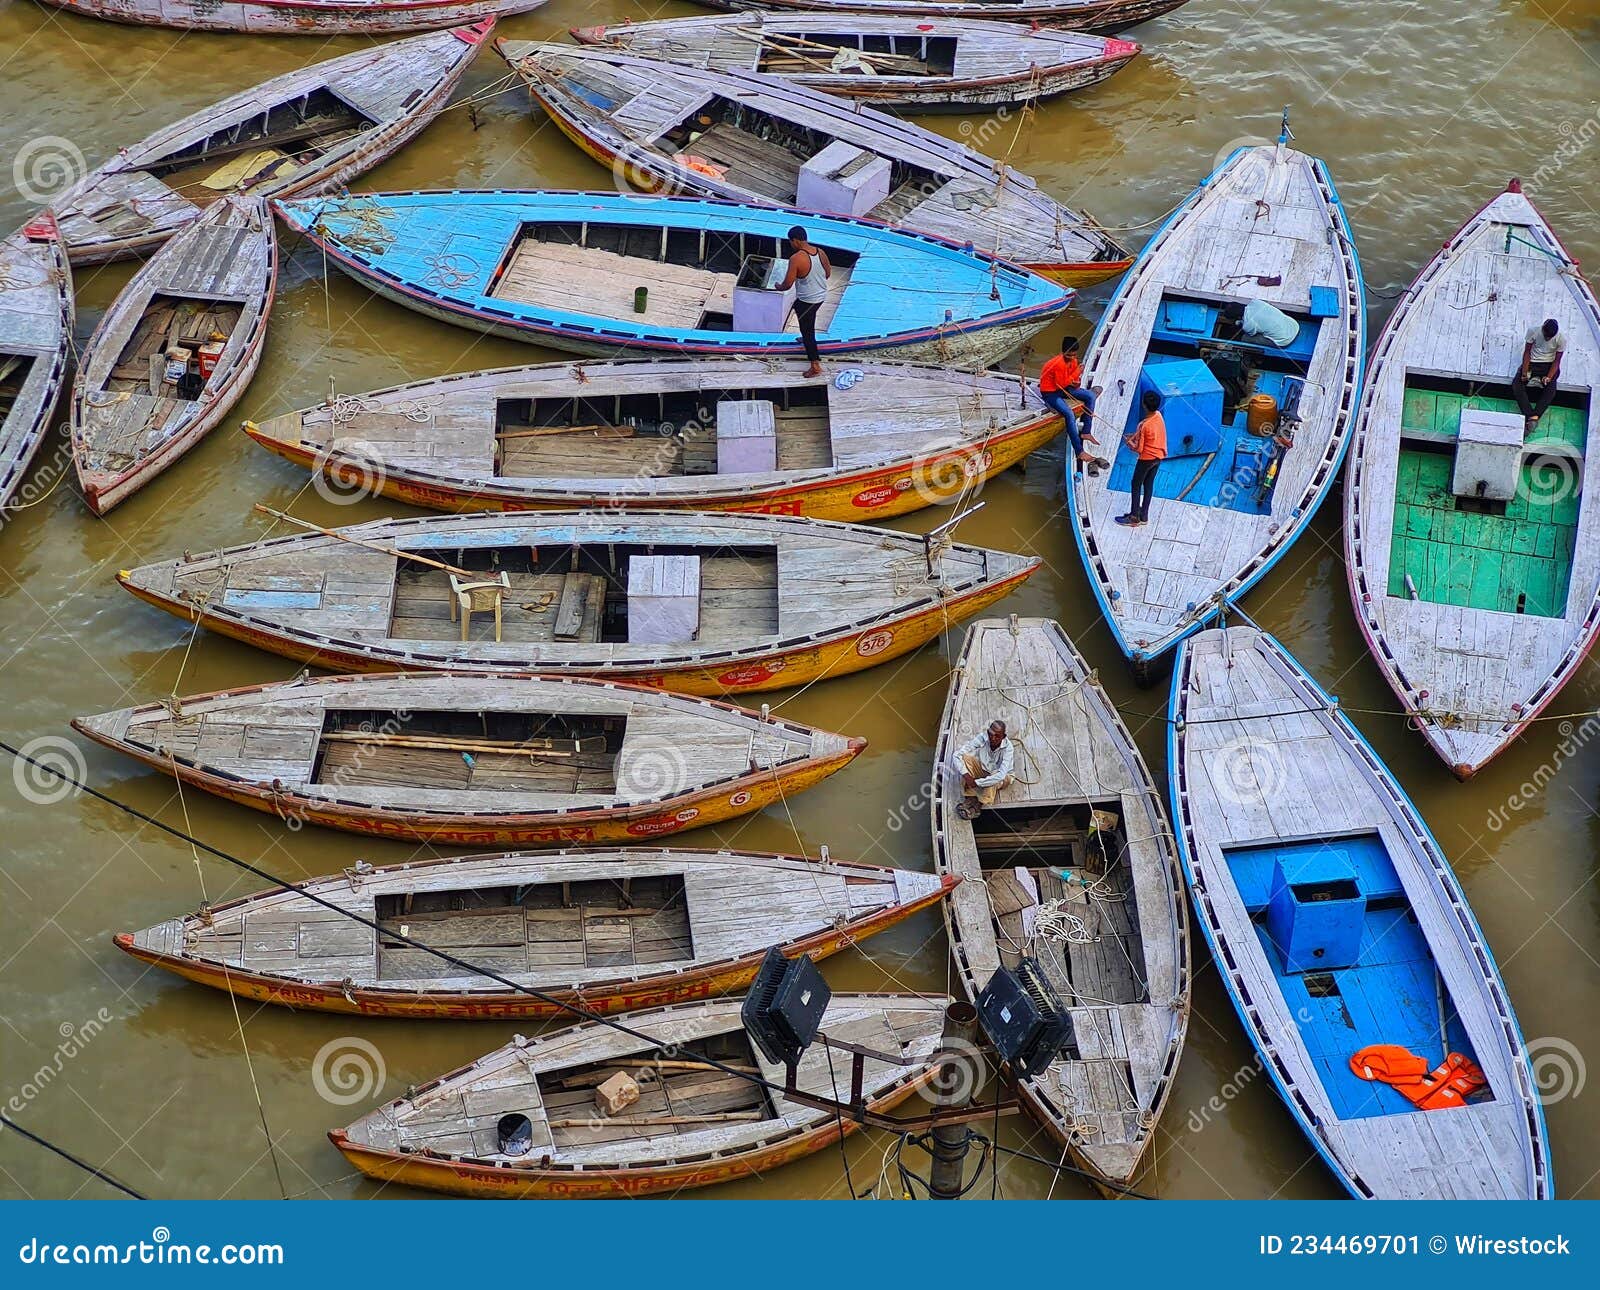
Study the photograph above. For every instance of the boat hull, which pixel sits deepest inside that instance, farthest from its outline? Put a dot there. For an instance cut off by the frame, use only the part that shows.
(36, 249)
(1077, 15)
(877, 493)
(296, 18)
(726, 977)
(457, 1178)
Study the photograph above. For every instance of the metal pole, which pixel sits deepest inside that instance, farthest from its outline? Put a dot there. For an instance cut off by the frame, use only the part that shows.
(959, 1077)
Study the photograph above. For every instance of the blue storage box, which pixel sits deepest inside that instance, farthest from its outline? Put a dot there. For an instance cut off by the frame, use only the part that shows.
(1191, 404)
(1316, 911)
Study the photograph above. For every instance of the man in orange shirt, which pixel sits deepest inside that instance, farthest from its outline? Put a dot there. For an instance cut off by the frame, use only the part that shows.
(1061, 381)
(1149, 444)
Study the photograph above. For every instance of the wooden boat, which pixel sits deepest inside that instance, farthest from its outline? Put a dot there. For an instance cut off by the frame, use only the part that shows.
(1478, 610)
(630, 435)
(1229, 499)
(35, 340)
(205, 296)
(303, 132)
(604, 930)
(742, 136)
(1076, 15)
(1073, 866)
(479, 760)
(904, 61)
(747, 602)
(693, 1125)
(570, 270)
(298, 17)
(1337, 925)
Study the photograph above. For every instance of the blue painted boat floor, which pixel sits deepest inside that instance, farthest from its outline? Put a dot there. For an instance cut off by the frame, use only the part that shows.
(1390, 995)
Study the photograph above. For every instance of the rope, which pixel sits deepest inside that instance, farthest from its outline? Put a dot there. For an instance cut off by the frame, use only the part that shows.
(84, 1165)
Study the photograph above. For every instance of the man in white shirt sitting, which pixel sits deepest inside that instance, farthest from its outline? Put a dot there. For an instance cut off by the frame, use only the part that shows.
(1263, 323)
(1542, 349)
(984, 764)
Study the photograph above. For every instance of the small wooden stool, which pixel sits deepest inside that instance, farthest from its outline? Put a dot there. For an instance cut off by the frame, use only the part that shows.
(467, 598)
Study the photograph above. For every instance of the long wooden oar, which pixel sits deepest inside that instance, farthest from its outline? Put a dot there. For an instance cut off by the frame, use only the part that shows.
(469, 574)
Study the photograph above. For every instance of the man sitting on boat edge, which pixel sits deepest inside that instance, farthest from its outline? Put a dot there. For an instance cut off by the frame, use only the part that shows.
(984, 763)
(1061, 381)
(1542, 349)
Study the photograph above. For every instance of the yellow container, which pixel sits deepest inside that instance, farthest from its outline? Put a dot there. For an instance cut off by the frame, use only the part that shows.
(1261, 414)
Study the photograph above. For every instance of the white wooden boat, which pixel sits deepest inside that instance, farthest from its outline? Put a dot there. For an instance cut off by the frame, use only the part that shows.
(1098, 903)
(205, 296)
(747, 602)
(1478, 609)
(744, 136)
(298, 17)
(886, 439)
(482, 760)
(605, 930)
(1077, 15)
(693, 1124)
(909, 61)
(302, 132)
(1229, 500)
(1339, 928)
(36, 320)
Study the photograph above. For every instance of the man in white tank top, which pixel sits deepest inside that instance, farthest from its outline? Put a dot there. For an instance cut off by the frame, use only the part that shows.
(808, 275)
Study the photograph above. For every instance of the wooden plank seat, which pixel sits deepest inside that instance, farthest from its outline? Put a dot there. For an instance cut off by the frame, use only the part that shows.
(586, 279)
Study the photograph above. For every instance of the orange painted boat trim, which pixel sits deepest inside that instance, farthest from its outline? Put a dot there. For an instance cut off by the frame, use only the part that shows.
(726, 977)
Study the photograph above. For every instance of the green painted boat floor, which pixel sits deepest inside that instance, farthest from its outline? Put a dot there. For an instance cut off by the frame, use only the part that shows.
(1437, 413)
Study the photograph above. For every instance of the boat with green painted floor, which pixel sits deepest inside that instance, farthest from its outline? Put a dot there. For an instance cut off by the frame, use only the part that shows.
(1470, 537)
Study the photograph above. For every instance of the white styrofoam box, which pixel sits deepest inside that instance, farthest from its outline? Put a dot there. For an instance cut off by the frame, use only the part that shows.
(747, 437)
(843, 179)
(663, 599)
(763, 307)
(1488, 452)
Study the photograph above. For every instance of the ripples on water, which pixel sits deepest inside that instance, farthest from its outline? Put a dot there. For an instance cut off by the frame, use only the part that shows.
(1422, 111)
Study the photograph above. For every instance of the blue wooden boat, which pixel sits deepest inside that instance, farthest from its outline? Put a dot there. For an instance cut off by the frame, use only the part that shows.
(596, 273)
(1240, 482)
(1343, 936)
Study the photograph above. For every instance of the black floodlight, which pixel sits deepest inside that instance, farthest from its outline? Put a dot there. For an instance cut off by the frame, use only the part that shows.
(1025, 1018)
(784, 1008)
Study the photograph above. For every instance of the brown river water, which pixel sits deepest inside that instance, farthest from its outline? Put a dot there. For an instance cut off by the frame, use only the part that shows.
(1422, 109)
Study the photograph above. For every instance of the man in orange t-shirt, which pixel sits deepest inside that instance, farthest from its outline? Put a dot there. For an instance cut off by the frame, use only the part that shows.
(1149, 444)
(1061, 381)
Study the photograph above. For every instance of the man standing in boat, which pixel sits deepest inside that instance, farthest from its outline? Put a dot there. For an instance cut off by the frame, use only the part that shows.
(1149, 444)
(984, 763)
(1060, 382)
(1542, 349)
(808, 274)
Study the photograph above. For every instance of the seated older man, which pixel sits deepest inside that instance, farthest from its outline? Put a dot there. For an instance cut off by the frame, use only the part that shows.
(984, 764)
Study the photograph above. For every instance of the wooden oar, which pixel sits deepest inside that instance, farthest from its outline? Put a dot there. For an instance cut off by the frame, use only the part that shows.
(782, 39)
(448, 745)
(530, 432)
(469, 574)
(647, 1121)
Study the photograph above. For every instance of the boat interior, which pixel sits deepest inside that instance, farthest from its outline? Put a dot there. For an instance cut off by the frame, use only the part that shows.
(536, 927)
(763, 154)
(14, 371)
(1346, 949)
(268, 146)
(660, 435)
(650, 594)
(883, 54)
(655, 276)
(679, 1092)
(1220, 452)
(505, 752)
(1486, 515)
(1061, 891)
(173, 325)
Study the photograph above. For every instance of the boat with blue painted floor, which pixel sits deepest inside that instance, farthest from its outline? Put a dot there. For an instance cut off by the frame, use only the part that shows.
(1343, 937)
(1258, 412)
(600, 273)
(1472, 544)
